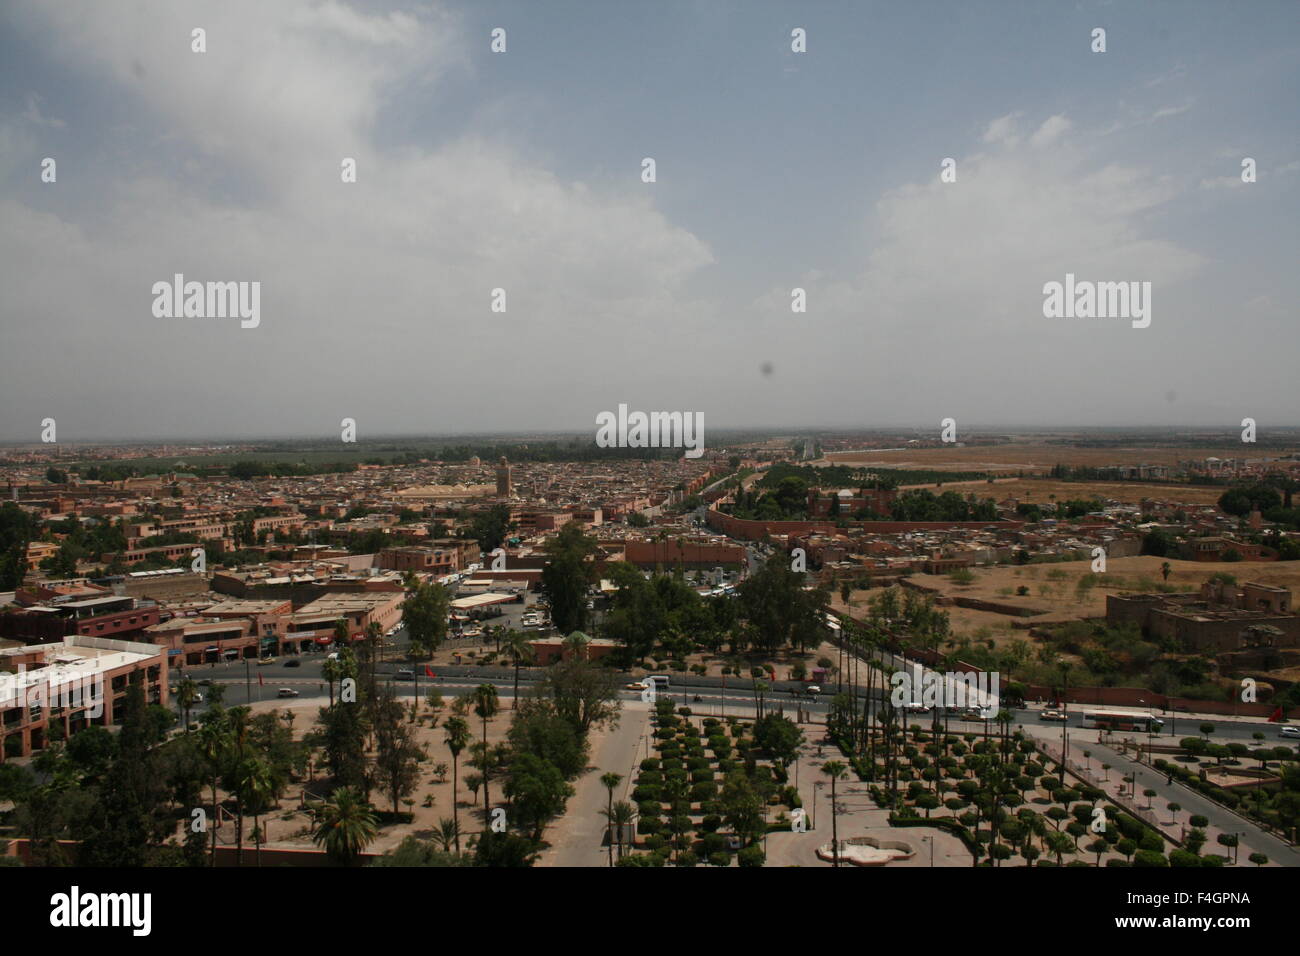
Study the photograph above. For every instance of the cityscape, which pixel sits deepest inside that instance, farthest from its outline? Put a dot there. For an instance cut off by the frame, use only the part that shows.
(565, 435)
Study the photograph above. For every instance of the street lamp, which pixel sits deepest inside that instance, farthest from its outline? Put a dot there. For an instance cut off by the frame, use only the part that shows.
(930, 840)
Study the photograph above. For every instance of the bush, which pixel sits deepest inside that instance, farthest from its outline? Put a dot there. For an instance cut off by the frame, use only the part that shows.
(1149, 858)
(751, 856)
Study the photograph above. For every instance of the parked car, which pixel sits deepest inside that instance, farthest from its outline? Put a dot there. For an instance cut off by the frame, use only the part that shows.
(287, 692)
(293, 662)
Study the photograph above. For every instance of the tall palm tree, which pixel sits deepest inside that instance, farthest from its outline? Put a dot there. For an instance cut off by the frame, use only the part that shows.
(519, 649)
(254, 788)
(836, 771)
(618, 817)
(456, 736)
(187, 695)
(486, 706)
(610, 781)
(345, 826)
(214, 744)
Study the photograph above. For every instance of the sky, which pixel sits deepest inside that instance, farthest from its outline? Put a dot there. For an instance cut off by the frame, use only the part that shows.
(522, 170)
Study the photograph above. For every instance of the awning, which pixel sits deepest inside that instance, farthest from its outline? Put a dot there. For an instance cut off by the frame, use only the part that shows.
(323, 641)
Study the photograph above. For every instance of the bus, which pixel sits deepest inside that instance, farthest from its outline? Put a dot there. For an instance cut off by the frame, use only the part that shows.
(1122, 720)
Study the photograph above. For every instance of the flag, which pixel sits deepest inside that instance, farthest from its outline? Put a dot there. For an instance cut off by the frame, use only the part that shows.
(428, 672)
(1274, 717)
(260, 682)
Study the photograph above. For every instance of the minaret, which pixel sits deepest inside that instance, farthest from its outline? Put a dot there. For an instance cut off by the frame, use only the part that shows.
(503, 478)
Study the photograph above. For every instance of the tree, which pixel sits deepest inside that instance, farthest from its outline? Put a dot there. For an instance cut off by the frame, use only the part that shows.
(836, 771)
(398, 760)
(425, 615)
(619, 817)
(610, 781)
(485, 708)
(344, 825)
(129, 817)
(187, 695)
(585, 694)
(537, 791)
(567, 576)
(254, 786)
(519, 649)
(779, 737)
(456, 736)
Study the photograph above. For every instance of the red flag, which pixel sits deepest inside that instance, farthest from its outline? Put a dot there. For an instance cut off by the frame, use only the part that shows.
(260, 682)
(1274, 717)
(428, 672)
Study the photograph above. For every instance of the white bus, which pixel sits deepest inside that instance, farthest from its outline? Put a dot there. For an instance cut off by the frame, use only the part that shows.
(1122, 720)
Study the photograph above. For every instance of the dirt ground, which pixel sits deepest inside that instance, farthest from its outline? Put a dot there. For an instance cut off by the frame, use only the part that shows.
(1052, 588)
(289, 826)
(1037, 456)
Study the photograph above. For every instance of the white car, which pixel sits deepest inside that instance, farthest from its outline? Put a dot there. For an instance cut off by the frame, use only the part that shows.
(287, 692)
(1290, 732)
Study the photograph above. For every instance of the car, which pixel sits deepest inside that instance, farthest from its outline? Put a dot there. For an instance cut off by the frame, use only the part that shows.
(406, 674)
(1290, 732)
(286, 692)
(1052, 715)
(915, 707)
(198, 698)
(293, 662)
(635, 685)
(265, 660)
(205, 682)
(812, 690)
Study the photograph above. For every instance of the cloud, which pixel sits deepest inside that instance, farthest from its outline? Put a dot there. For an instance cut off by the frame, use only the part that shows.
(367, 288)
(34, 116)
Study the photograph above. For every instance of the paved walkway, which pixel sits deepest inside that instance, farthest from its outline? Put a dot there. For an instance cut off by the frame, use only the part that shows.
(577, 837)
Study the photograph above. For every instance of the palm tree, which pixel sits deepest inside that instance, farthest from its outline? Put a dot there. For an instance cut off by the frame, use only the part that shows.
(836, 771)
(456, 736)
(214, 743)
(617, 817)
(187, 694)
(447, 835)
(485, 708)
(610, 780)
(255, 785)
(519, 649)
(345, 826)
(1165, 569)
(331, 670)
